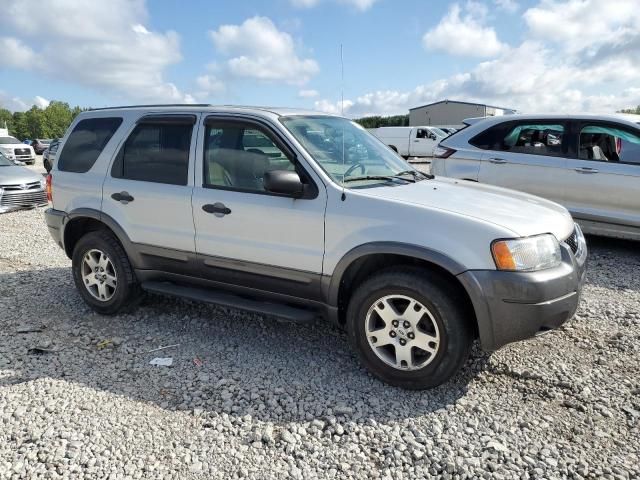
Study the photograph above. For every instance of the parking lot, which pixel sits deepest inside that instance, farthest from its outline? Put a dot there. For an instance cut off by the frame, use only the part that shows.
(249, 396)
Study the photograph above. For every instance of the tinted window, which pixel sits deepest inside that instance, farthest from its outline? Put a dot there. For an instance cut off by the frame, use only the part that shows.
(156, 153)
(85, 143)
(531, 138)
(237, 155)
(609, 143)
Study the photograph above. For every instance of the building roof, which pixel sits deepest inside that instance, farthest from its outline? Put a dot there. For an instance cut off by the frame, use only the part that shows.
(463, 103)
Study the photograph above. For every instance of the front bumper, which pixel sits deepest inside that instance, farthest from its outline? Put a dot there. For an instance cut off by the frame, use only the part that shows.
(512, 306)
(55, 222)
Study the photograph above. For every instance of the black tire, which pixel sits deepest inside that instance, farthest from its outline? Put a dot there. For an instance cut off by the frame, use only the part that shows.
(432, 290)
(127, 290)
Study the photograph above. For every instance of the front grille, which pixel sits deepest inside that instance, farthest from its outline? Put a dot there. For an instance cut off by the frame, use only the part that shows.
(572, 241)
(23, 198)
(22, 151)
(21, 187)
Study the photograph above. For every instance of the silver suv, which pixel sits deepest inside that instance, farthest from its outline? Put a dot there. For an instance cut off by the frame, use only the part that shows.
(588, 163)
(302, 215)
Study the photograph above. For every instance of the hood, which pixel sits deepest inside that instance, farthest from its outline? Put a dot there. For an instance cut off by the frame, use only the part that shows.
(521, 213)
(11, 146)
(16, 175)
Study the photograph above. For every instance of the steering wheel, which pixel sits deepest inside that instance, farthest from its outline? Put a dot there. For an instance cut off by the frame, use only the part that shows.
(352, 168)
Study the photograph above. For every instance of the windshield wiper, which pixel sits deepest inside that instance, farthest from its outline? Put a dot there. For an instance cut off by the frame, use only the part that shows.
(415, 174)
(374, 177)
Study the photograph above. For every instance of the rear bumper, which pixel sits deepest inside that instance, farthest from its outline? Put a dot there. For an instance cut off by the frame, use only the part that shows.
(55, 221)
(512, 306)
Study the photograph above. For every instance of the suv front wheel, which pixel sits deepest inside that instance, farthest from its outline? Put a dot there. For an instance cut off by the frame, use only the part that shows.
(102, 273)
(408, 328)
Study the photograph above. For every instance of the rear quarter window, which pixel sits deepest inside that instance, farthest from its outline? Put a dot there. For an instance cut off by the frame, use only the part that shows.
(86, 142)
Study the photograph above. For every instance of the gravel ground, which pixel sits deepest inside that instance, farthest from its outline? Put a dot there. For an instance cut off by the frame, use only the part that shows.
(252, 397)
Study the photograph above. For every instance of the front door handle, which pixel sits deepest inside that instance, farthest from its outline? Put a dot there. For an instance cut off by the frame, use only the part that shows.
(416, 141)
(498, 161)
(122, 197)
(586, 170)
(218, 209)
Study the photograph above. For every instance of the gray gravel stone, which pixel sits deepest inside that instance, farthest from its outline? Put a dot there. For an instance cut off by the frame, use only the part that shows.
(268, 399)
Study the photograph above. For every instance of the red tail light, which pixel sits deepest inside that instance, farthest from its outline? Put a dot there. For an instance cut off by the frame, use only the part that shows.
(49, 189)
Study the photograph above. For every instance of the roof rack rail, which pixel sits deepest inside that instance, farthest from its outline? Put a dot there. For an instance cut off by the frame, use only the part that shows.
(154, 105)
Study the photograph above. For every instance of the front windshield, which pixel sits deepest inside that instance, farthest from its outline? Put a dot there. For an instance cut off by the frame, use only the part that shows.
(346, 151)
(4, 161)
(8, 141)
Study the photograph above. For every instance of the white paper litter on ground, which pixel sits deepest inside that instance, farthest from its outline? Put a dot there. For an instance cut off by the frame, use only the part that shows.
(162, 361)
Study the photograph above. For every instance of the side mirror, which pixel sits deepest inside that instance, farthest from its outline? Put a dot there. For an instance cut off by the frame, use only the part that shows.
(284, 182)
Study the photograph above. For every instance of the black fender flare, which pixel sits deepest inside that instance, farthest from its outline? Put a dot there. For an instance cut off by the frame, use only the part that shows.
(332, 285)
(114, 226)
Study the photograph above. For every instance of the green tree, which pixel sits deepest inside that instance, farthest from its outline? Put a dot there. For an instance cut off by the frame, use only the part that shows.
(378, 121)
(50, 122)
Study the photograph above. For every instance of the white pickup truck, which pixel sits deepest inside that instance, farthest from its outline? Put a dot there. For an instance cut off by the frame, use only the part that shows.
(410, 141)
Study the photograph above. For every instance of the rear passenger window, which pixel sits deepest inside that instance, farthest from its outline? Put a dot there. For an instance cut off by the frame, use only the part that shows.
(608, 143)
(85, 143)
(156, 152)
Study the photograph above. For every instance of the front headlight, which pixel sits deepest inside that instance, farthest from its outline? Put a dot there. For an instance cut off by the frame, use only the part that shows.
(527, 254)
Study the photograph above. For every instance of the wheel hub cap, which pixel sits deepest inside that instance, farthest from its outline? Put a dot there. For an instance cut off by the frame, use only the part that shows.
(402, 332)
(99, 275)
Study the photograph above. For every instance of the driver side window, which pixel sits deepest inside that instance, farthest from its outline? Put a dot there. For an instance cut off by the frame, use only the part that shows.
(237, 155)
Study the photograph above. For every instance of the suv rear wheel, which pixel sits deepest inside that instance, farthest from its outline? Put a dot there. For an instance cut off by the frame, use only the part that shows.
(103, 274)
(408, 328)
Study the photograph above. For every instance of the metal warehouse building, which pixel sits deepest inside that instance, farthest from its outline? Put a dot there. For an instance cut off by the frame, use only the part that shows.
(451, 112)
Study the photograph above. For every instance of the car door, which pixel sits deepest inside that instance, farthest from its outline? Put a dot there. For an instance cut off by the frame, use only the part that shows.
(148, 188)
(528, 156)
(244, 234)
(603, 177)
(422, 142)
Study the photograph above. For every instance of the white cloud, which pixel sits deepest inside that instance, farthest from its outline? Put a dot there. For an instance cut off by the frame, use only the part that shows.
(259, 50)
(585, 25)
(210, 84)
(17, 104)
(41, 102)
(464, 35)
(101, 45)
(15, 53)
(510, 6)
(361, 5)
(529, 78)
(308, 93)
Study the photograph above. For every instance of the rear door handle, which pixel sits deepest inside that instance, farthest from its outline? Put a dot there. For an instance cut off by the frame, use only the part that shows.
(122, 197)
(586, 170)
(498, 161)
(218, 209)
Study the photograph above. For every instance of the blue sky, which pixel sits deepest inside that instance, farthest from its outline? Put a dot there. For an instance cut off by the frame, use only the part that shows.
(535, 55)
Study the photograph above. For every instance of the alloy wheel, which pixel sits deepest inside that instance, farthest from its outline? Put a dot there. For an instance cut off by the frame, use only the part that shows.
(99, 275)
(402, 332)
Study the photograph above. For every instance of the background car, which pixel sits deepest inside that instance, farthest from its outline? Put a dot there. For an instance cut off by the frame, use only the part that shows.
(40, 145)
(20, 187)
(588, 163)
(16, 151)
(49, 155)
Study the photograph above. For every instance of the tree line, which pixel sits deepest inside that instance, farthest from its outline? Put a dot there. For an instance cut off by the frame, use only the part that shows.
(49, 122)
(378, 121)
(631, 110)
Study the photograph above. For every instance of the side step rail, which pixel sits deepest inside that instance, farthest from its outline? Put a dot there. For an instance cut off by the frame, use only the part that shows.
(286, 312)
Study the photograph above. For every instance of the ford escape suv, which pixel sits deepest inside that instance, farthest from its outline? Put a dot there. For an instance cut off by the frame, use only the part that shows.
(303, 215)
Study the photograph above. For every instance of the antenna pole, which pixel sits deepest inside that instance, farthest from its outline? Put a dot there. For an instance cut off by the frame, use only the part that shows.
(343, 196)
